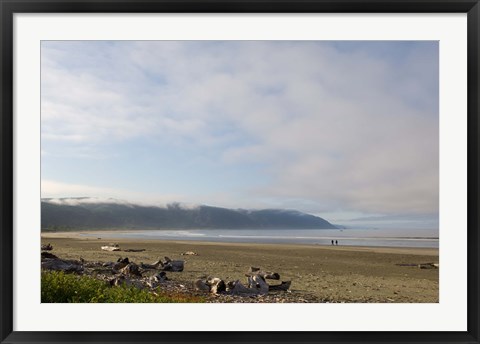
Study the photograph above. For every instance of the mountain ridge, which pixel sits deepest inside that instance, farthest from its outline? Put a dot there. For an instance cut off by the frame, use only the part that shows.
(102, 215)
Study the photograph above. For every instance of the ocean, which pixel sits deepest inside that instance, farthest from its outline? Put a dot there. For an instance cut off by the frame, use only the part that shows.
(425, 238)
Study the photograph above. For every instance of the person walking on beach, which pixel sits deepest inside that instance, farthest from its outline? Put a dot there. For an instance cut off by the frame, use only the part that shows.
(336, 242)
(332, 242)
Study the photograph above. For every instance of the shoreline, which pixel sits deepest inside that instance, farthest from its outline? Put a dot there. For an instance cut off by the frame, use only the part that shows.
(104, 235)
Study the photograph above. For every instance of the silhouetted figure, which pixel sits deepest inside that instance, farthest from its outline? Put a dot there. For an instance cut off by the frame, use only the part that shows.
(332, 242)
(336, 242)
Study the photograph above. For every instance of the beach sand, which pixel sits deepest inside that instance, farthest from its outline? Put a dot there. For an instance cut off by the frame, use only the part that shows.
(326, 273)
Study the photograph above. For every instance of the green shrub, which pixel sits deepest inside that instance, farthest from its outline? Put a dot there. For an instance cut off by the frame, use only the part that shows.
(58, 287)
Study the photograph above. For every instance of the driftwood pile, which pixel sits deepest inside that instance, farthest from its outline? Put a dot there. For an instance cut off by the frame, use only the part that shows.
(121, 272)
(256, 284)
(152, 276)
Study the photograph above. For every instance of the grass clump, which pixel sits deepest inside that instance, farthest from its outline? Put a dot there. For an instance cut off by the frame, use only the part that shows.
(59, 287)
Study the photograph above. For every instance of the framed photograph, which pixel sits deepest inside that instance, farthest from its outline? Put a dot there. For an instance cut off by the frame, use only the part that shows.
(239, 171)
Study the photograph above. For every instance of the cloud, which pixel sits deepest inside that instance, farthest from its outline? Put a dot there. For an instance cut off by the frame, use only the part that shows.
(98, 200)
(73, 194)
(79, 193)
(85, 200)
(58, 189)
(331, 126)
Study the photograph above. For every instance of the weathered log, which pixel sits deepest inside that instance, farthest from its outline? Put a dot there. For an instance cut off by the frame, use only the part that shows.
(237, 288)
(257, 282)
(110, 248)
(264, 274)
(134, 250)
(407, 264)
(156, 280)
(421, 265)
(120, 264)
(201, 285)
(61, 265)
(147, 266)
(189, 253)
(157, 263)
(173, 265)
(48, 255)
(231, 284)
(284, 286)
(131, 270)
(216, 285)
(47, 247)
(272, 275)
(151, 266)
(428, 266)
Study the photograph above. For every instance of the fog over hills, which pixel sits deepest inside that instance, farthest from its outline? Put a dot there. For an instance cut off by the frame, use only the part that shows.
(71, 214)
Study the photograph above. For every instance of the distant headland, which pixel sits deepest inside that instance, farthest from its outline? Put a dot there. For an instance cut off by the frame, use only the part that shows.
(72, 214)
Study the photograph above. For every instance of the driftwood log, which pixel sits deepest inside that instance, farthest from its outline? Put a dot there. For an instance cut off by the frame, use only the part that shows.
(256, 275)
(108, 265)
(47, 247)
(48, 255)
(237, 288)
(110, 248)
(172, 265)
(131, 269)
(156, 280)
(189, 253)
(421, 265)
(151, 266)
(213, 285)
(56, 264)
(120, 264)
(201, 285)
(284, 286)
(216, 285)
(264, 274)
(258, 283)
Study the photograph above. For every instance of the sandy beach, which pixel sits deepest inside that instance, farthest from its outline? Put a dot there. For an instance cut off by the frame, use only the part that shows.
(319, 273)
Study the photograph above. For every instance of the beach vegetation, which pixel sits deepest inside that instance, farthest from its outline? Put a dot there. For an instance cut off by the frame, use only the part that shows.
(60, 287)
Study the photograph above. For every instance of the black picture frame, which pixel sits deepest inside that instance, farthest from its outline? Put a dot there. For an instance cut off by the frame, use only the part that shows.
(10, 7)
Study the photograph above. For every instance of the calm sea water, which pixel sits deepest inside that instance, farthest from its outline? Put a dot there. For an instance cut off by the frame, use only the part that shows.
(345, 237)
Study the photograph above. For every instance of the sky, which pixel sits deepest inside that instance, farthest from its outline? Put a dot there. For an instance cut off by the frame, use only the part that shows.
(347, 130)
